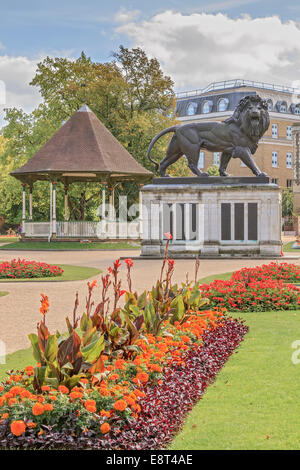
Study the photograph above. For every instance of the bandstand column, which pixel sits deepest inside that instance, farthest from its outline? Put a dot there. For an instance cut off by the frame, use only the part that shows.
(66, 201)
(23, 207)
(30, 201)
(140, 211)
(54, 210)
(51, 210)
(112, 203)
(103, 201)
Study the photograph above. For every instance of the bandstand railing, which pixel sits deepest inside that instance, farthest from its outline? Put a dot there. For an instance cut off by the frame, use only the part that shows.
(104, 229)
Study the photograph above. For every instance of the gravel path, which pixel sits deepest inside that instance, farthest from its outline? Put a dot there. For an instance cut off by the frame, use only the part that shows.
(19, 311)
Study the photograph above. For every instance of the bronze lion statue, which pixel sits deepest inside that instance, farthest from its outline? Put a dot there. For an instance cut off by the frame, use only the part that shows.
(236, 137)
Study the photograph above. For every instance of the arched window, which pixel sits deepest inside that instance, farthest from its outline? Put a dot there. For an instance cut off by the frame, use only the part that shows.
(297, 109)
(223, 104)
(283, 107)
(191, 109)
(206, 108)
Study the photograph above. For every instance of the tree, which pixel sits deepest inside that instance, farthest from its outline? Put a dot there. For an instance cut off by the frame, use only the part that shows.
(287, 202)
(213, 170)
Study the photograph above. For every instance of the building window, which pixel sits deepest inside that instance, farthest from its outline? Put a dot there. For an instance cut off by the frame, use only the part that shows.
(297, 109)
(191, 109)
(289, 183)
(289, 160)
(201, 160)
(216, 158)
(274, 131)
(223, 104)
(206, 108)
(288, 132)
(283, 107)
(270, 105)
(274, 181)
(274, 159)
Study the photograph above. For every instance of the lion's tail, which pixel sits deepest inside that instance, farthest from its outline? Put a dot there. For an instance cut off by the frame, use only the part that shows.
(165, 131)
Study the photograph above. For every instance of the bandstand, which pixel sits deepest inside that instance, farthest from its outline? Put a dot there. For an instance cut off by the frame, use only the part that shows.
(82, 150)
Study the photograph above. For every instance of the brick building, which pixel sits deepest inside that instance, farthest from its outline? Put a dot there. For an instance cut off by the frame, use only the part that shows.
(217, 101)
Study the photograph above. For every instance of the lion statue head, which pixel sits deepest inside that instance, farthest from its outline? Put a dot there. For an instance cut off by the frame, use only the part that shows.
(252, 116)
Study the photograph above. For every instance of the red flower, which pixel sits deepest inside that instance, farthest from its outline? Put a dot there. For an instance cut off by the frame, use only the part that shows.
(129, 262)
(168, 236)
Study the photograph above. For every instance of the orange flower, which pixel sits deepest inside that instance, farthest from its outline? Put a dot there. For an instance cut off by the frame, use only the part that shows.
(5, 416)
(90, 405)
(17, 427)
(119, 364)
(104, 428)
(53, 397)
(105, 413)
(46, 388)
(29, 369)
(114, 377)
(139, 393)
(38, 409)
(48, 407)
(75, 395)
(84, 381)
(31, 425)
(142, 377)
(44, 304)
(120, 405)
(63, 389)
(12, 401)
(91, 409)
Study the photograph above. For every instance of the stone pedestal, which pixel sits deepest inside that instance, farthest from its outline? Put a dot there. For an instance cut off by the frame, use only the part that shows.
(212, 217)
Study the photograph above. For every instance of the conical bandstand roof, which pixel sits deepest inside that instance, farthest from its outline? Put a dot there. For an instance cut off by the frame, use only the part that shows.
(83, 149)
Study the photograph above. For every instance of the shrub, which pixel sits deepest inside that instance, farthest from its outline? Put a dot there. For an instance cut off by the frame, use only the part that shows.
(19, 269)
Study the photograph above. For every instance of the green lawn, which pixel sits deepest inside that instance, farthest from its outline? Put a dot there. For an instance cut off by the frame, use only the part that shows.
(8, 239)
(256, 394)
(71, 273)
(2, 294)
(288, 248)
(65, 246)
(223, 276)
(17, 361)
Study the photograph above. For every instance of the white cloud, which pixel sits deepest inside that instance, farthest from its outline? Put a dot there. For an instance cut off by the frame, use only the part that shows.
(16, 73)
(200, 48)
(124, 16)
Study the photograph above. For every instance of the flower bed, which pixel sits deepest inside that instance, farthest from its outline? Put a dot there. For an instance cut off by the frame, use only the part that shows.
(286, 272)
(162, 407)
(22, 269)
(256, 289)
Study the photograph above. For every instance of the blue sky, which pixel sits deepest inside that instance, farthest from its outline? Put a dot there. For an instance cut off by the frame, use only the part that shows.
(196, 42)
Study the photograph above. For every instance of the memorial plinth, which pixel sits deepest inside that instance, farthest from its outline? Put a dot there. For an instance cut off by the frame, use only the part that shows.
(212, 217)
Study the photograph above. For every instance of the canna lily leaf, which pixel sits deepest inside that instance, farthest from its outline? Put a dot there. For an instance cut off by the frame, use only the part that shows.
(92, 351)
